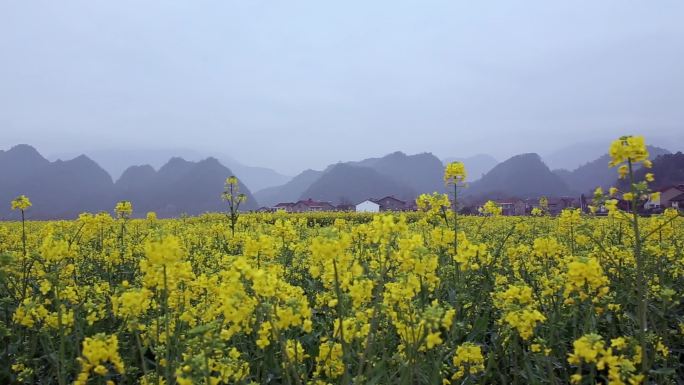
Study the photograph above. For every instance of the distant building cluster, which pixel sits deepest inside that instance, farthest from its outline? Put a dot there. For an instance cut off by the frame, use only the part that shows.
(517, 206)
(302, 206)
(670, 197)
(388, 203)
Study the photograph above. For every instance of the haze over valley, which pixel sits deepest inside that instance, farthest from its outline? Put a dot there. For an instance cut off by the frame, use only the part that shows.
(62, 189)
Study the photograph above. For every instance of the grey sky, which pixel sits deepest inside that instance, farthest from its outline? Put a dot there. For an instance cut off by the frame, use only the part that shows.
(296, 84)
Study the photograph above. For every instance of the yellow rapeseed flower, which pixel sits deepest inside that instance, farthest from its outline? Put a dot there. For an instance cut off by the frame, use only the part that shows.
(468, 360)
(455, 173)
(99, 352)
(21, 202)
(632, 148)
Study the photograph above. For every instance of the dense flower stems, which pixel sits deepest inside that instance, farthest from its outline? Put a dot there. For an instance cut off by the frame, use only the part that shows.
(165, 315)
(340, 317)
(61, 375)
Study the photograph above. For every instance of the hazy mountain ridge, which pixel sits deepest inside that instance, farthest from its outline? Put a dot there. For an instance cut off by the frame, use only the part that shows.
(257, 178)
(63, 189)
(476, 165)
(290, 191)
(60, 189)
(178, 187)
(346, 183)
(595, 173)
(116, 161)
(574, 155)
(667, 168)
(404, 176)
(420, 172)
(522, 176)
(66, 188)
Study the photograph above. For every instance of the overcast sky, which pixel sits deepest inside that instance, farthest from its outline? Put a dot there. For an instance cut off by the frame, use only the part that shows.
(297, 84)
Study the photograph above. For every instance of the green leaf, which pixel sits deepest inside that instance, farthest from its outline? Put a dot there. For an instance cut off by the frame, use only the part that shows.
(201, 329)
(663, 371)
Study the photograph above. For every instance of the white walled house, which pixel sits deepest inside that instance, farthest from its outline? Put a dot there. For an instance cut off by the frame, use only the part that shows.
(652, 203)
(665, 197)
(367, 206)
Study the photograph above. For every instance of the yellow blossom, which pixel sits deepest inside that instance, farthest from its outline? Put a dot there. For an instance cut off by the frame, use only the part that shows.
(21, 202)
(455, 173)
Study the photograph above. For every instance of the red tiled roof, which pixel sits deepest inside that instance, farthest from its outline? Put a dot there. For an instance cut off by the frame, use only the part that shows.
(312, 203)
(284, 204)
(388, 197)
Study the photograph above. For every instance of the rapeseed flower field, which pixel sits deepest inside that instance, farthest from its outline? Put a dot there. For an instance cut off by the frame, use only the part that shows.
(428, 297)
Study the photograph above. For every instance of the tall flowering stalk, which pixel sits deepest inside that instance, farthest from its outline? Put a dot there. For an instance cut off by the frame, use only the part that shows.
(455, 175)
(232, 195)
(22, 203)
(626, 153)
(123, 211)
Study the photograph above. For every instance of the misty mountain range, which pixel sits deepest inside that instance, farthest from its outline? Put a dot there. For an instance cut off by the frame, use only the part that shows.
(65, 188)
(116, 161)
(593, 174)
(477, 165)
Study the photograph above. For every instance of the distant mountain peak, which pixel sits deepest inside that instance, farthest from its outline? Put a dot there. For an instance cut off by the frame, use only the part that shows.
(24, 152)
(175, 166)
(82, 159)
(212, 162)
(395, 173)
(523, 175)
(65, 188)
(476, 165)
(596, 172)
(177, 160)
(134, 171)
(396, 154)
(345, 182)
(22, 147)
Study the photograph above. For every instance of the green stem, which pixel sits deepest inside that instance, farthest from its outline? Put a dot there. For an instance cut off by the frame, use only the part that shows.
(23, 232)
(338, 293)
(641, 279)
(455, 210)
(142, 356)
(60, 364)
(165, 304)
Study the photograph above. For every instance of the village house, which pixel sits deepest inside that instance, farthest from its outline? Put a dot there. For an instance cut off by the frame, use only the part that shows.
(667, 194)
(310, 205)
(345, 207)
(556, 205)
(678, 202)
(512, 206)
(367, 206)
(303, 206)
(388, 203)
(286, 206)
